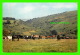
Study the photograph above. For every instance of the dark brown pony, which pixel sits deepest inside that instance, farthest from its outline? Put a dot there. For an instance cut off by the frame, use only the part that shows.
(15, 37)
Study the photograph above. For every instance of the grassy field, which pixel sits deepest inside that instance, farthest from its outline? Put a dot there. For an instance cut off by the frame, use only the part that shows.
(41, 45)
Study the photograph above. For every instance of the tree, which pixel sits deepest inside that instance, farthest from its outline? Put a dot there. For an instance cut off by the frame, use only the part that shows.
(53, 32)
(58, 37)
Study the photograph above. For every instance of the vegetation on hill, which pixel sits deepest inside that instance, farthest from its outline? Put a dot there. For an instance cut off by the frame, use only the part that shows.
(42, 26)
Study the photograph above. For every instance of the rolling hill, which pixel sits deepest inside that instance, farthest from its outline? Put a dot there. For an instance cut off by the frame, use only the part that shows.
(42, 26)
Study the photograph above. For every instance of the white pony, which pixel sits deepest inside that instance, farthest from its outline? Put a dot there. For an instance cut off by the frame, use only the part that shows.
(9, 38)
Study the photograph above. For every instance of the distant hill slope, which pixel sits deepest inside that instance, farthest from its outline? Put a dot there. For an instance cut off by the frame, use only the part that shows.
(42, 26)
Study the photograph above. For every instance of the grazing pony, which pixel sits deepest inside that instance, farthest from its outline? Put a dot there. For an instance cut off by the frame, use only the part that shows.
(15, 37)
(43, 37)
(29, 37)
(53, 36)
(36, 36)
(67, 37)
(5, 37)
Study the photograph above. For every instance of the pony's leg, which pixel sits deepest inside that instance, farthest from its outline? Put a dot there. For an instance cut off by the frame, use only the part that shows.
(18, 39)
(33, 38)
(8, 39)
(27, 39)
(12, 39)
(38, 38)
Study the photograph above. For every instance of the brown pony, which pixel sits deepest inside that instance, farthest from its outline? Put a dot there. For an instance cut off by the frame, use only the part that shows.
(36, 36)
(53, 36)
(43, 37)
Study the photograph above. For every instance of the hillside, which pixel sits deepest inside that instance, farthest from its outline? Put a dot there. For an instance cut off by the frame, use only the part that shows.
(42, 26)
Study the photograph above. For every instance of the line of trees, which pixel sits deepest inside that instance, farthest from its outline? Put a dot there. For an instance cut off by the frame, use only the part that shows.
(8, 18)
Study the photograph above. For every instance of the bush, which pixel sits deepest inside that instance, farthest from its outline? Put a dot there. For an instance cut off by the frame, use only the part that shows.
(6, 32)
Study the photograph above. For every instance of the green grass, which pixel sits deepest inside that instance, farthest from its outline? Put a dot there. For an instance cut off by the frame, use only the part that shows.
(41, 45)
